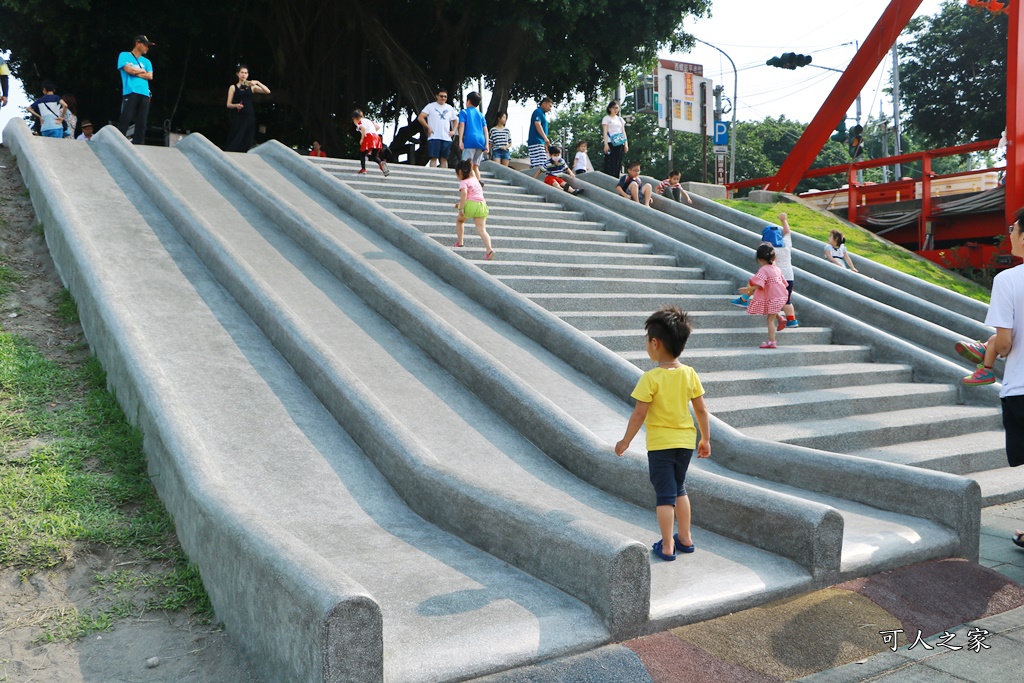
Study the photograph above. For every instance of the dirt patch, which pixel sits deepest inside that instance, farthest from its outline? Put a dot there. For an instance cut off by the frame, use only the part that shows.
(30, 605)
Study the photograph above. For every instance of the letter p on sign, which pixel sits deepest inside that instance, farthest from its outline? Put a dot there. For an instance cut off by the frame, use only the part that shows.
(721, 133)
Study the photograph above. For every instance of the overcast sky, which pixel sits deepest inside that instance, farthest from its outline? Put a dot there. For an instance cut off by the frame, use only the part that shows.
(751, 31)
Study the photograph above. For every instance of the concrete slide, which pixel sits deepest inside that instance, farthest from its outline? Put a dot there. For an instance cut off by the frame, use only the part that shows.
(392, 464)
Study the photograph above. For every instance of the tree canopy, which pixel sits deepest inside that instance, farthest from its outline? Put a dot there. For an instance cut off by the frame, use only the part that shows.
(322, 58)
(953, 76)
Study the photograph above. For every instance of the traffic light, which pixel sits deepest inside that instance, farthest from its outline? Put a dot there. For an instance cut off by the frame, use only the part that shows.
(840, 134)
(856, 141)
(789, 60)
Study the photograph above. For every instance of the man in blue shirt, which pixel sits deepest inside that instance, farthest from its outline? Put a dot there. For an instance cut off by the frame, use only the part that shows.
(136, 73)
(537, 142)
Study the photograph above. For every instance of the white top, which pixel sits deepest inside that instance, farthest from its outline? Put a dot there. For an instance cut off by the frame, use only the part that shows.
(1007, 311)
(366, 126)
(838, 253)
(439, 118)
(615, 124)
(581, 162)
(784, 257)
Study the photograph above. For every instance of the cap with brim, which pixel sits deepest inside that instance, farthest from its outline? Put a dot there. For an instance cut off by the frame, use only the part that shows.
(87, 124)
(144, 40)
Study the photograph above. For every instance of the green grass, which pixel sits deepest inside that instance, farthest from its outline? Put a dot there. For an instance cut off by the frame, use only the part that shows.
(861, 242)
(73, 476)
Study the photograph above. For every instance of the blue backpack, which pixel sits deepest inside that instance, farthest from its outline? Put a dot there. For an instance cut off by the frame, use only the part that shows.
(772, 235)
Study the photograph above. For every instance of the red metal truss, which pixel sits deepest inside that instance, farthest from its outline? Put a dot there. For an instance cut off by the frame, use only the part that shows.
(876, 46)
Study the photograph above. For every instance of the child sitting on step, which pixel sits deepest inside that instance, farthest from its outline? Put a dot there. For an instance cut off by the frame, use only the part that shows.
(555, 168)
(767, 291)
(663, 396)
(471, 204)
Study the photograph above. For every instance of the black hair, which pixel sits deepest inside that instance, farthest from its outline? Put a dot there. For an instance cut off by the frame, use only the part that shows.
(464, 169)
(671, 326)
(473, 99)
(1019, 220)
(554, 151)
(675, 172)
(608, 109)
(500, 114)
(48, 85)
(239, 67)
(547, 99)
(357, 113)
(441, 90)
(840, 240)
(766, 253)
(581, 143)
(632, 164)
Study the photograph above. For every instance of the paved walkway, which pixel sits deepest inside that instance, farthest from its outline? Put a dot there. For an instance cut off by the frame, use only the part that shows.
(973, 613)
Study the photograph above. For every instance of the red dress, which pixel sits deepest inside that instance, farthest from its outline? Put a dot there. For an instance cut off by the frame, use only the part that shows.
(771, 296)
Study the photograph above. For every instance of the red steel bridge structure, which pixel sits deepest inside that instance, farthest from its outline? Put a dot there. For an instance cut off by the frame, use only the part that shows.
(935, 226)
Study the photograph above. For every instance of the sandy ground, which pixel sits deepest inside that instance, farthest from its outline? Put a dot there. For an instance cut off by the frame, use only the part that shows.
(186, 651)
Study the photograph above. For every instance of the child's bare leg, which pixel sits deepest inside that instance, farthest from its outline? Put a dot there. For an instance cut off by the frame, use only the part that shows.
(683, 520)
(460, 228)
(481, 229)
(476, 172)
(789, 311)
(990, 352)
(647, 195)
(666, 524)
(634, 193)
(771, 326)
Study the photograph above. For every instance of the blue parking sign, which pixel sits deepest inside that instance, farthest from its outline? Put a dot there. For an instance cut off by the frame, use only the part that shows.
(721, 133)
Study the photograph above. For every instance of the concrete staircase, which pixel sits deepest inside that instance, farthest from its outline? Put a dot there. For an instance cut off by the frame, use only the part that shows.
(381, 477)
(814, 393)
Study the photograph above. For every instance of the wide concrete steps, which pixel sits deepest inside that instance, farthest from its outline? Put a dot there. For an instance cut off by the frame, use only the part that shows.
(533, 284)
(505, 232)
(472, 242)
(586, 301)
(1000, 485)
(444, 204)
(975, 452)
(591, 270)
(858, 432)
(723, 359)
(634, 320)
(828, 404)
(713, 338)
(768, 379)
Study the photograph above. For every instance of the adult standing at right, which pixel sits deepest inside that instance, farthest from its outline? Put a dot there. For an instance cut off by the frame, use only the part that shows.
(439, 120)
(1006, 314)
(537, 141)
(613, 132)
(136, 73)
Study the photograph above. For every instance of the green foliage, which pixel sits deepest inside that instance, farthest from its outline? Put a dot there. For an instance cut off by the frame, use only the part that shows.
(861, 242)
(323, 58)
(953, 76)
(762, 147)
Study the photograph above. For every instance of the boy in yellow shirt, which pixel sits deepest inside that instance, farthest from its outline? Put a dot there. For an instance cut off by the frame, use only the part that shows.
(663, 395)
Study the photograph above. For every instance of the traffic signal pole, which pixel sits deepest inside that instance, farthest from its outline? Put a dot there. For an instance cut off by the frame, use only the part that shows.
(882, 37)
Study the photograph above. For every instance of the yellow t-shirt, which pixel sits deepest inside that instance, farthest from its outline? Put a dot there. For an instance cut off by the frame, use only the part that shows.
(668, 391)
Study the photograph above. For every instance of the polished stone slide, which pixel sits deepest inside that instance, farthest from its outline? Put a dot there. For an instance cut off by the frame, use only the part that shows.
(392, 460)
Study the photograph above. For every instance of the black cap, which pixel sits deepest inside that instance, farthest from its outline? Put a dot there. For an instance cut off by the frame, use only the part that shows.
(144, 40)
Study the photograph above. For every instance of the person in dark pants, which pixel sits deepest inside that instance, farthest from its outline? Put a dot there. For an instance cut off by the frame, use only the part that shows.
(136, 73)
(243, 110)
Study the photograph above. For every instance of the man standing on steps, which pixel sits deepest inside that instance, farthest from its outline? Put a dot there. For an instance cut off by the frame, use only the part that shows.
(537, 141)
(1006, 314)
(136, 73)
(439, 120)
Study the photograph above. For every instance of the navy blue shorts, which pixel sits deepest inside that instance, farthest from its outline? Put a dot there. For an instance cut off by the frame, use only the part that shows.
(668, 473)
(789, 292)
(439, 149)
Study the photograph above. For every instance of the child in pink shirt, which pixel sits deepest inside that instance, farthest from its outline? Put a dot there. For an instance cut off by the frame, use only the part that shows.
(471, 204)
(767, 290)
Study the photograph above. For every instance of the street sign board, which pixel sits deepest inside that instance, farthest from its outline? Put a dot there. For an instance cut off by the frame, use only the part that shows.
(721, 133)
(720, 175)
(677, 88)
(721, 149)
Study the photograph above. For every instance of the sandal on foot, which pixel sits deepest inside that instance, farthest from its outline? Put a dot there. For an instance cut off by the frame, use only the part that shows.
(458, 244)
(680, 548)
(657, 551)
(1018, 540)
(489, 255)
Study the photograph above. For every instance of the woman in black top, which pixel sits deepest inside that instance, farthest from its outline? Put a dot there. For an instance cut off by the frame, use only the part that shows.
(243, 116)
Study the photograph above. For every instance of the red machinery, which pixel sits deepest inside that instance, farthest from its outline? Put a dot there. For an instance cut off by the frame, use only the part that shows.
(932, 226)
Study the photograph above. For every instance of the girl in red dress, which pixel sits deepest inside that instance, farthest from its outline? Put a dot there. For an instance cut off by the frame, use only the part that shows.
(767, 290)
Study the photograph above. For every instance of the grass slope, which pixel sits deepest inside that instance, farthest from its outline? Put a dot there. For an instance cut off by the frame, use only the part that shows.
(861, 242)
